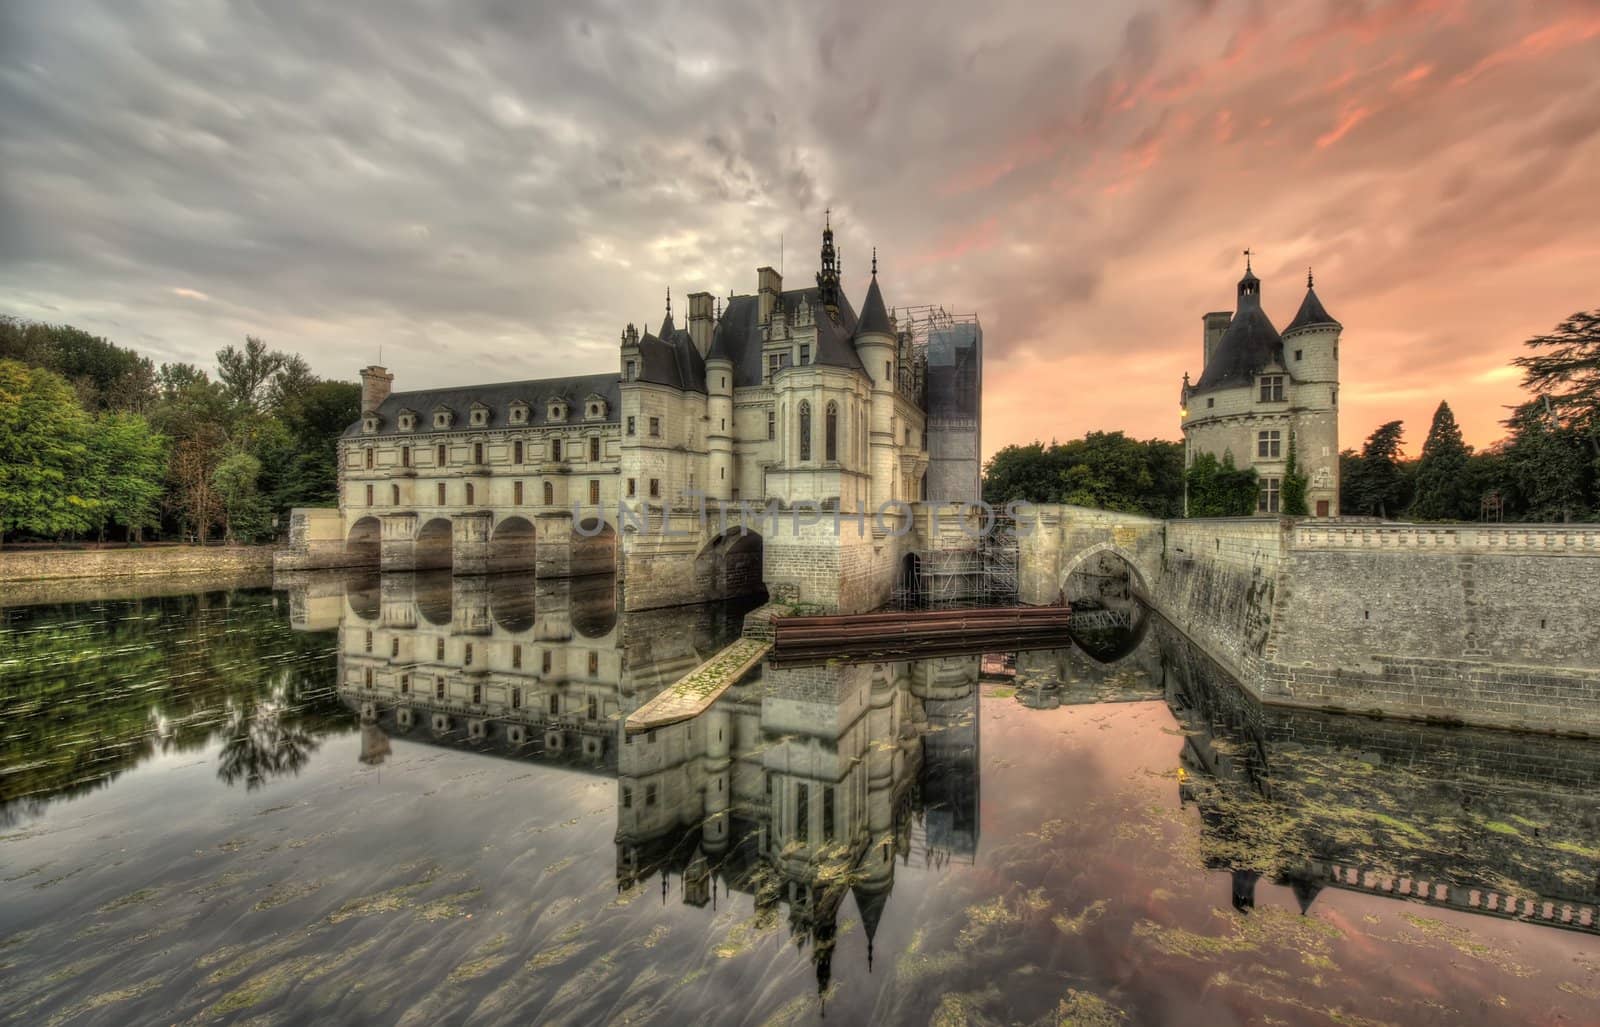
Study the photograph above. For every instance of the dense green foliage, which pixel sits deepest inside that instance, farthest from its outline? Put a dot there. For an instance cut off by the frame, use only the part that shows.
(1374, 484)
(95, 437)
(1219, 489)
(1105, 470)
(1295, 483)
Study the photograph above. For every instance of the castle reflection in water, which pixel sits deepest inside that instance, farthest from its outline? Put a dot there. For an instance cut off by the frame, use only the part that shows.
(800, 785)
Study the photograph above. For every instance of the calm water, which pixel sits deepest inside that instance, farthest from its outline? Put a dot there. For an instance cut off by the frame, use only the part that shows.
(354, 802)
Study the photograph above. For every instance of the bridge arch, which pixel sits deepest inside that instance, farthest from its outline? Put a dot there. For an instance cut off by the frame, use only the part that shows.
(511, 546)
(435, 544)
(731, 564)
(364, 543)
(1104, 586)
(1083, 556)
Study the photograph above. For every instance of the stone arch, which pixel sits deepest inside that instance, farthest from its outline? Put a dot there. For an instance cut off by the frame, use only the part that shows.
(1112, 621)
(435, 544)
(593, 607)
(731, 564)
(1082, 557)
(511, 546)
(364, 544)
(594, 546)
(511, 604)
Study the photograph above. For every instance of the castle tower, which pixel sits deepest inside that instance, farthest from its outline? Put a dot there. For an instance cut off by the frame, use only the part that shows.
(722, 474)
(878, 348)
(1311, 352)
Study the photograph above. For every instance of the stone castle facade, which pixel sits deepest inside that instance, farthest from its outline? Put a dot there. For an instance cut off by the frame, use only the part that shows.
(781, 396)
(1259, 393)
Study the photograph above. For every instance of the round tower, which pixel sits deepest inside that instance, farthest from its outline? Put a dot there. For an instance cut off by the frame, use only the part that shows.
(718, 780)
(1311, 354)
(722, 474)
(877, 347)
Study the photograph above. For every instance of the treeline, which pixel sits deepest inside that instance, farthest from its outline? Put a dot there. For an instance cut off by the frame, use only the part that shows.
(1107, 470)
(1547, 468)
(98, 442)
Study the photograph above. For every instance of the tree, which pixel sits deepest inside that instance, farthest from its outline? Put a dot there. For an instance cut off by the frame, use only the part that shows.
(1549, 463)
(246, 373)
(290, 384)
(1219, 489)
(191, 496)
(1376, 484)
(1295, 483)
(130, 463)
(1565, 366)
(1105, 470)
(46, 484)
(1442, 488)
(236, 481)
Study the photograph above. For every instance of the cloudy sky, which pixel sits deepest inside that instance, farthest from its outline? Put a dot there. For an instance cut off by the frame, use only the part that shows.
(492, 189)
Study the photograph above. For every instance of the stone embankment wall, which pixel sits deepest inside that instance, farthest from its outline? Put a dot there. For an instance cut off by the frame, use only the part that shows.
(29, 565)
(1494, 625)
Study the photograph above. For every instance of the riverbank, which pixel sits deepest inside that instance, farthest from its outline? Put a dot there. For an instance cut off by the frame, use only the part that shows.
(28, 566)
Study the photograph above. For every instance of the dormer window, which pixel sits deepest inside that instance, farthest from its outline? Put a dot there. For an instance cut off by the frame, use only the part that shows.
(369, 425)
(594, 408)
(519, 412)
(479, 415)
(407, 420)
(630, 370)
(443, 418)
(556, 412)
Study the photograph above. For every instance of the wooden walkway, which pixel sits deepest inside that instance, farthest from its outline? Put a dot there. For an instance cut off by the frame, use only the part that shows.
(913, 634)
(693, 694)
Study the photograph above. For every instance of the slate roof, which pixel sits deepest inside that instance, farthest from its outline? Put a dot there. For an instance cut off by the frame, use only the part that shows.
(1249, 344)
(739, 334)
(671, 359)
(874, 318)
(1311, 313)
(498, 398)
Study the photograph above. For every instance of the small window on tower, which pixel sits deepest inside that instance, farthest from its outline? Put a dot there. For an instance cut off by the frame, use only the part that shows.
(1299, 354)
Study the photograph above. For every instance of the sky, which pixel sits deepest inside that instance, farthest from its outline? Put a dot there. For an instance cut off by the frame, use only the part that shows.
(482, 190)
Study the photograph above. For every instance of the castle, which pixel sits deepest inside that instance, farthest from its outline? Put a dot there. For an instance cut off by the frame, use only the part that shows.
(784, 396)
(1261, 394)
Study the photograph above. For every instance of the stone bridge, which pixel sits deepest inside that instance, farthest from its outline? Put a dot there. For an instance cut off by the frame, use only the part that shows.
(1477, 624)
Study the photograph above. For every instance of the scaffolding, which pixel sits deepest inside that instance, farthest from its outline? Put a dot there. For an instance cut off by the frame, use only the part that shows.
(982, 572)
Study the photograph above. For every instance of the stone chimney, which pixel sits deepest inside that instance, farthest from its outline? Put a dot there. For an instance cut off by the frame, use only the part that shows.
(1216, 324)
(769, 287)
(376, 383)
(700, 321)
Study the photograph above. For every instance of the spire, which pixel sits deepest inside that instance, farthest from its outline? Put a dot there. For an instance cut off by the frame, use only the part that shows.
(1311, 312)
(669, 303)
(874, 262)
(667, 327)
(828, 276)
(1308, 276)
(1249, 285)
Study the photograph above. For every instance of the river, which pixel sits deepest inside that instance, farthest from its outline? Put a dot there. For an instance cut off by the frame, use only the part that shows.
(410, 800)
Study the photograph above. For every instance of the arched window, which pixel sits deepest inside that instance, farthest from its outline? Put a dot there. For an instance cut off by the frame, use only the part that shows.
(830, 427)
(805, 430)
(549, 494)
(470, 499)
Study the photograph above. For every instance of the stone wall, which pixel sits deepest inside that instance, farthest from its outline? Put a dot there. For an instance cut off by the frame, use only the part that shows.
(21, 565)
(1493, 625)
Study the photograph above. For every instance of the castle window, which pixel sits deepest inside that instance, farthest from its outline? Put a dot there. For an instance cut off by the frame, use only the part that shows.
(405, 684)
(369, 459)
(555, 705)
(594, 449)
(774, 363)
(470, 497)
(441, 493)
(655, 488)
(827, 813)
(544, 666)
(370, 425)
(394, 648)
(723, 380)
(805, 430)
(632, 424)
(831, 433)
(407, 422)
(629, 371)
(1211, 401)
(772, 425)
(405, 456)
(466, 655)
(655, 427)
(368, 643)
(519, 413)
(367, 678)
(438, 688)
(802, 813)
(633, 487)
(438, 649)
(516, 664)
(478, 417)
(369, 495)
(394, 495)
(1267, 499)
(1269, 444)
(650, 794)
(1272, 388)
(627, 797)
(594, 492)
(516, 493)
(1335, 397)
(516, 693)
(516, 452)
(549, 494)
(440, 456)
(594, 668)
(1299, 354)
(594, 708)
(477, 695)
(477, 452)
(805, 354)
(555, 449)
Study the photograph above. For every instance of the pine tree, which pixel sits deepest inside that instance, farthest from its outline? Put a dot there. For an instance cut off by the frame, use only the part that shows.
(1441, 493)
(1377, 485)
